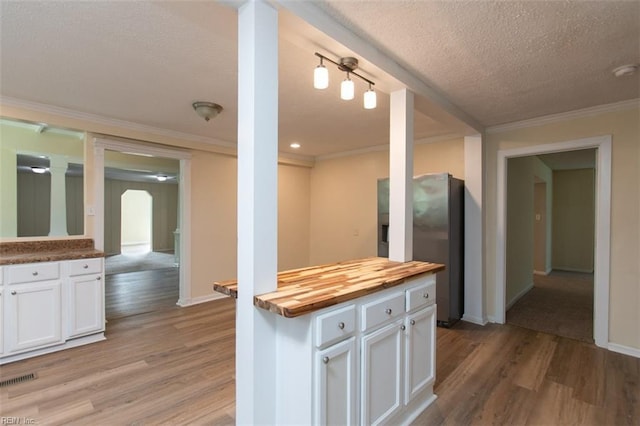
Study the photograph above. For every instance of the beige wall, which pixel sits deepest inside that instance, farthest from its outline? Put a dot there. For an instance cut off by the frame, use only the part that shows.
(344, 197)
(624, 126)
(214, 219)
(540, 227)
(573, 219)
(519, 263)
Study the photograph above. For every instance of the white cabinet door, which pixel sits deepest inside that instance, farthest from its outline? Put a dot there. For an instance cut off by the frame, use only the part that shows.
(335, 397)
(34, 315)
(86, 307)
(420, 351)
(382, 371)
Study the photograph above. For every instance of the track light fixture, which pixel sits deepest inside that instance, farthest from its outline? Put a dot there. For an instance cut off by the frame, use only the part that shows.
(347, 90)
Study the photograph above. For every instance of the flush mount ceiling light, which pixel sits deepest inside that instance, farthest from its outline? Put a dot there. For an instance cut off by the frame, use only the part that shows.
(161, 178)
(39, 170)
(347, 89)
(207, 110)
(625, 70)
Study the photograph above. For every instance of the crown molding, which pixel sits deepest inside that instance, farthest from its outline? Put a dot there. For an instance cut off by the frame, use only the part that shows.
(563, 116)
(104, 121)
(385, 147)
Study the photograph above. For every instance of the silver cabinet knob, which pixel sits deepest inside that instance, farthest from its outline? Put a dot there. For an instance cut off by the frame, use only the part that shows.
(34, 273)
(425, 295)
(388, 311)
(85, 266)
(402, 327)
(14, 292)
(325, 360)
(341, 325)
(413, 322)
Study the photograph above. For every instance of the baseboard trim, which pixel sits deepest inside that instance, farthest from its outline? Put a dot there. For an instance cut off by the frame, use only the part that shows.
(475, 320)
(200, 299)
(518, 296)
(625, 350)
(584, 271)
(547, 272)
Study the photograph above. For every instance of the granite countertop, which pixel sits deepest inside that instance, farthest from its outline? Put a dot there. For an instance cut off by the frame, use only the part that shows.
(17, 252)
(304, 290)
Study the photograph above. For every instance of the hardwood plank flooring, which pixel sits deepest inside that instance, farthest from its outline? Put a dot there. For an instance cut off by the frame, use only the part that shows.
(134, 293)
(176, 366)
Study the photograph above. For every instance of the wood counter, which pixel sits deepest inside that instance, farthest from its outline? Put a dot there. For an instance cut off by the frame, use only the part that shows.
(304, 290)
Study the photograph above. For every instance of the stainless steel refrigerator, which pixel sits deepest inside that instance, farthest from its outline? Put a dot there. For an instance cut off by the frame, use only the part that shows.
(438, 235)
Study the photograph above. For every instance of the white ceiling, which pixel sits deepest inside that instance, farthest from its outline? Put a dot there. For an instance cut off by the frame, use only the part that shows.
(145, 62)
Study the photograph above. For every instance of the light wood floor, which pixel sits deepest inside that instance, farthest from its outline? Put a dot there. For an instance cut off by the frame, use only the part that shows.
(176, 366)
(134, 293)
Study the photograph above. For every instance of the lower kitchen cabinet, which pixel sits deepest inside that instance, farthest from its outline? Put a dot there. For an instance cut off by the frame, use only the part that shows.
(382, 360)
(86, 297)
(34, 315)
(419, 357)
(336, 387)
(367, 361)
(50, 306)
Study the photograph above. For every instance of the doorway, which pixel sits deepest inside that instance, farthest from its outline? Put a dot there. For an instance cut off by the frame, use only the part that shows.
(135, 222)
(602, 227)
(552, 294)
(175, 238)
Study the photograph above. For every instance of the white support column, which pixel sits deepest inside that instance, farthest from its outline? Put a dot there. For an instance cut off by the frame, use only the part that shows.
(58, 216)
(257, 210)
(401, 176)
(474, 310)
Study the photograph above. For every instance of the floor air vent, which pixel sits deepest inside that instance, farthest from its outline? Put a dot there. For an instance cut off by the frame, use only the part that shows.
(16, 380)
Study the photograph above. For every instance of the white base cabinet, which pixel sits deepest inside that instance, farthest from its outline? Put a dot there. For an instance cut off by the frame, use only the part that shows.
(34, 316)
(367, 361)
(335, 376)
(45, 306)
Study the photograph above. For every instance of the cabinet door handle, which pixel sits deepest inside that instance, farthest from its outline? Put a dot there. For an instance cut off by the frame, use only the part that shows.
(413, 322)
(325, 359)
(98, 278)
(425, 295)
(13, 292)
(34, 273)
(402, 327)
(341, 325)
(85, 266)
(388, 311)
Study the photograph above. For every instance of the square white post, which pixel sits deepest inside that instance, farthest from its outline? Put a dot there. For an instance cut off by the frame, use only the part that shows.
(474, 310)
(257, 210)
(401, 176)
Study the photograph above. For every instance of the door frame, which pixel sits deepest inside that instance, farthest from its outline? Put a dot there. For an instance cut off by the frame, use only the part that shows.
(602, 257)
(184, 200)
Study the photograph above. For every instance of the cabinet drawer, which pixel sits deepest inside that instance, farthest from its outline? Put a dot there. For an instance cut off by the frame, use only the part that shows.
(422, 295)
(85, 266)
(379, 311)
(335, 325)
(33, 272)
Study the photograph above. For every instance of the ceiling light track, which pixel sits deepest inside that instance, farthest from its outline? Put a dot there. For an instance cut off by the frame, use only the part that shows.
(349, 65)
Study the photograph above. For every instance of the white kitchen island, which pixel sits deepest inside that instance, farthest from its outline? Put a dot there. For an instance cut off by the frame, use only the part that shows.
(355, 341)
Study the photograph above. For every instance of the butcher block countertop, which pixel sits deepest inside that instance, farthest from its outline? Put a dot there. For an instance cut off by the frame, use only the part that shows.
(304, 290)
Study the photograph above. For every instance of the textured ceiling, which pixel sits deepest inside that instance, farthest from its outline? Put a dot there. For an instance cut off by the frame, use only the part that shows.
(146, 62)
(505, 61)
